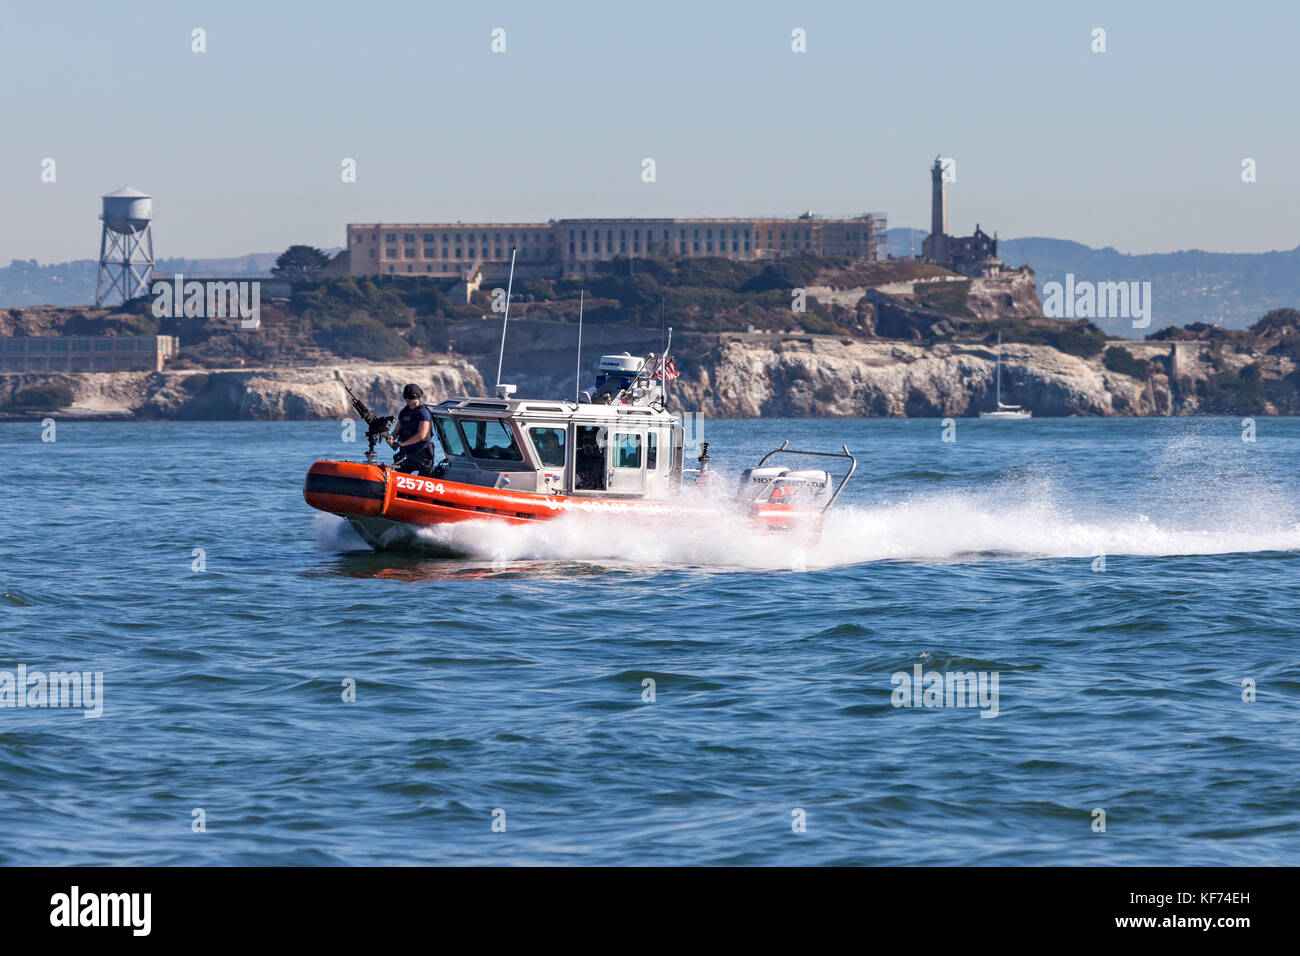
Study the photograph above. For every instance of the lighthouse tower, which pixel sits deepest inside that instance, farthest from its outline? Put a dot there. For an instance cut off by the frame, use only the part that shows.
(936, 245)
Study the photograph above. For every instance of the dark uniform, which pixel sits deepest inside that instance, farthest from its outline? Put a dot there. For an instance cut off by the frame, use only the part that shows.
(417, 457)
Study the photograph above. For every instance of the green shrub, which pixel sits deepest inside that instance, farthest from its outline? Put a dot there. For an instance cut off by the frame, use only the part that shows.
(1229, 393)
(946, 297)
(819, 326)
(41, 398)
(430, 333)
(1121, 360)
(1078, 337)
(362, 338)
(1277, 320)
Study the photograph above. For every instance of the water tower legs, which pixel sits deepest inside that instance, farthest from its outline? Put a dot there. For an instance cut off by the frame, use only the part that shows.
(125, 263)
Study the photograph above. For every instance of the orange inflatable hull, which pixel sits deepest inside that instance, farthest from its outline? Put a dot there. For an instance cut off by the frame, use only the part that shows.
(352, 489)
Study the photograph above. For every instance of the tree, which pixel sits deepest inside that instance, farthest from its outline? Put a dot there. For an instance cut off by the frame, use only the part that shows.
(300, 264)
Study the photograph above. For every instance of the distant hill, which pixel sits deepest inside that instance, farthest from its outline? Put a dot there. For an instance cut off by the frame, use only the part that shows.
(1228, 289)
(24, 283)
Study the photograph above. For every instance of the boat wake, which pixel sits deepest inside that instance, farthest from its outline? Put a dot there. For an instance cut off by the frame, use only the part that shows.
(1027, 518)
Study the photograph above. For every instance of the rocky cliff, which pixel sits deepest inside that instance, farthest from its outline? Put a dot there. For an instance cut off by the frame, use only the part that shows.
(827, 377)
(741, 376)
(247, 394)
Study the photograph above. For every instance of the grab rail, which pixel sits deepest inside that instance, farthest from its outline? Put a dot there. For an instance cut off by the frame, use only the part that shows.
(853, 464)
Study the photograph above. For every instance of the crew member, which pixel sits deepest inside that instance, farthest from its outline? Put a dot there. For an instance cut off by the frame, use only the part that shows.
(413, 451)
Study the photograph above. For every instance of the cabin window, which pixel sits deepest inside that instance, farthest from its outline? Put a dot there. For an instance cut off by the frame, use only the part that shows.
(490, 440)
(448, 437)
(627, 451)
(549, 443)
(652, 450)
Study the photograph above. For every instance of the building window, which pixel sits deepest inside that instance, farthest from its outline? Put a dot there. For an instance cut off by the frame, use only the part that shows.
(372, 254)
(390, 252)
(408, 237)
(410, 253)
(390, 237)
(430, 237)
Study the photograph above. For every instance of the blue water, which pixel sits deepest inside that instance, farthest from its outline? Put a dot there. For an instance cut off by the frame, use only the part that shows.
(512, 679)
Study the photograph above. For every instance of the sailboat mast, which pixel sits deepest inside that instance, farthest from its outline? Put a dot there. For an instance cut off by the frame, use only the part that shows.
(999, 370)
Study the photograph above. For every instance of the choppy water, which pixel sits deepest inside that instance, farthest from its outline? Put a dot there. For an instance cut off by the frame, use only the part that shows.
(514, 679)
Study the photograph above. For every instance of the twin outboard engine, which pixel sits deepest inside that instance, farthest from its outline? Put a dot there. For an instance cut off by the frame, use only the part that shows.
(807, 488)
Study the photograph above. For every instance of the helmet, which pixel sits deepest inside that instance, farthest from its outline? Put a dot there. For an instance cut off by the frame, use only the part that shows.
(412, 391)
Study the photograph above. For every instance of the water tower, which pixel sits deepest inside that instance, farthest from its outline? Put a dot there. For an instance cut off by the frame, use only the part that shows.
(125, 245)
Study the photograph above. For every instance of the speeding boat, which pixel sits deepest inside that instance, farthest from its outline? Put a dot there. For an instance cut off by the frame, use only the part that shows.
(615, 450)
(1005, 412)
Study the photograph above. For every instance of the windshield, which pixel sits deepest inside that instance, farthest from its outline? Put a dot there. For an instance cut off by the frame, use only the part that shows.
(490, 440)
(449, 436)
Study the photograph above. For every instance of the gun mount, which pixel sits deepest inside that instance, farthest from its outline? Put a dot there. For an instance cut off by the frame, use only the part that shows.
(376, 427)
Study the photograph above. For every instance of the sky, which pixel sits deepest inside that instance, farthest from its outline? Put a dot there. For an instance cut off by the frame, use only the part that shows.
(242, 146)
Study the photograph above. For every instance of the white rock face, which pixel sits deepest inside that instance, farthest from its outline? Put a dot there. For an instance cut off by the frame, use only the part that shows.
(804, 376)
(828, 378)
(251, 394)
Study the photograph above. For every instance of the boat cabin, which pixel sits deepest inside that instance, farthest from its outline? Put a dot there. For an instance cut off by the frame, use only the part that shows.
(618, 441)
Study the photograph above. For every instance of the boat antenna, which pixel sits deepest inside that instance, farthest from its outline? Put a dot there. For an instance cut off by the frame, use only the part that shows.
(577, 379)
(663, 356)
(509, 286)
(668, 345)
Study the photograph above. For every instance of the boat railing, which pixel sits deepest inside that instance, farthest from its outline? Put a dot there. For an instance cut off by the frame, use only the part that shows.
(844, 455)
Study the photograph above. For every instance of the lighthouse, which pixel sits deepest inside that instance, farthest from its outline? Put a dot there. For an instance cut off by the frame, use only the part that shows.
(938, 212)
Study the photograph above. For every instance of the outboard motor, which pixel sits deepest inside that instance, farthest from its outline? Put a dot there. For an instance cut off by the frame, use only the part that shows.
(616, 375)
(809, 488)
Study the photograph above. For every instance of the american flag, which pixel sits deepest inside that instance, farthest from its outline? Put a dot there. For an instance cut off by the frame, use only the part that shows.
(667, 371)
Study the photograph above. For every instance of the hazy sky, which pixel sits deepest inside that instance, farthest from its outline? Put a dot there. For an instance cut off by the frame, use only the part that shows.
(1139, 147)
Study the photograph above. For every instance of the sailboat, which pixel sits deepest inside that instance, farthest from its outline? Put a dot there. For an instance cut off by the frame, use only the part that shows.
(1005, 411)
